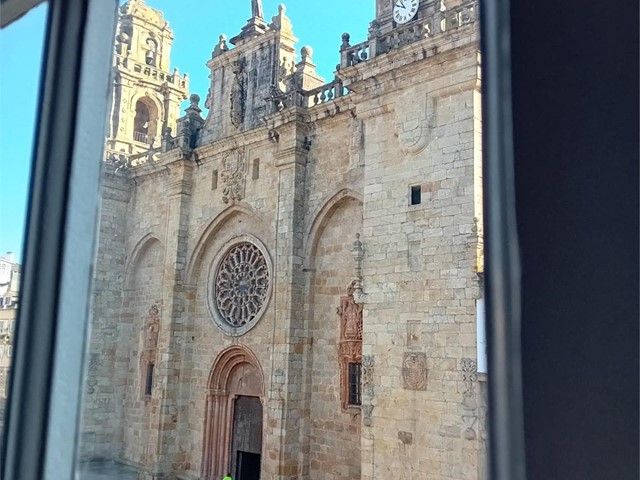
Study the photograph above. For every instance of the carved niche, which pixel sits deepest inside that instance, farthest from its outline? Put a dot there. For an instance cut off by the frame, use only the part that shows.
(414, 371)
(239, 93)
(350, 346)
(233, 176)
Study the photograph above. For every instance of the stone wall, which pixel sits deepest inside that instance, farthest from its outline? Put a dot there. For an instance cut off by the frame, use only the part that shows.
(420, 274)
(105, 378)
(335, 433)
(145, 283)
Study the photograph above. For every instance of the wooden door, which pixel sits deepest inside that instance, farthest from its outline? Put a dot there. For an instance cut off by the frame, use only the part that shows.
(247, 436)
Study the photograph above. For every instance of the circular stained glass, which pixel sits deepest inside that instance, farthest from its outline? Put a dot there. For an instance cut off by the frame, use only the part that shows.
(241, 285)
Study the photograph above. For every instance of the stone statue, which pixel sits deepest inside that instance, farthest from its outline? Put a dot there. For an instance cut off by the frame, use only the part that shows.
(256, 9)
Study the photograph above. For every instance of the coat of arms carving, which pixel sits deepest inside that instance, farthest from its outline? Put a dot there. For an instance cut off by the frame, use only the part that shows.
(414, 371)
(233, 176)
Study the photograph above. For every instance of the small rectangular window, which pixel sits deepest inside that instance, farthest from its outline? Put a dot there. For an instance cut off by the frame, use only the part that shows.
(214, 180)
(355, 397)
(256, 169)
(148, 385)
(416, 194)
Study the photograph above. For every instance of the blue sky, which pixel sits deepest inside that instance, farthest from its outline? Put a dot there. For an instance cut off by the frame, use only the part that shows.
(196, 24)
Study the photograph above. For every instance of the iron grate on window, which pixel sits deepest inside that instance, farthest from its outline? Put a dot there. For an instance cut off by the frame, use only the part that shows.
(355, 395)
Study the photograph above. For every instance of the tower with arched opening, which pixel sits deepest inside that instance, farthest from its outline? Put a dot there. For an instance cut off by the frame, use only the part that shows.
(147, 94)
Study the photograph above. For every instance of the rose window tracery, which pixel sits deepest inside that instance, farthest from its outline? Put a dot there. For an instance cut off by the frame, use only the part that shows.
(241, 284)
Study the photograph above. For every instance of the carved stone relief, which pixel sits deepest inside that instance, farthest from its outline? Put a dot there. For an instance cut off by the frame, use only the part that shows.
(469, 371)
(239, 93)
(151, 331)
(350, 347)
(469, 377)
(233, 176)
(414, 128)
(414, 371)
(367, 374)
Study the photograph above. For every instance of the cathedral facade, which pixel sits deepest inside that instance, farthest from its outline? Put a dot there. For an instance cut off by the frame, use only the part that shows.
(289, 288)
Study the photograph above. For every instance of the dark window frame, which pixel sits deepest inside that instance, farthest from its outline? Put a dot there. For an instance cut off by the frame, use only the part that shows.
(415, 195)
(45, 393)
(354, 382)
(148, 379)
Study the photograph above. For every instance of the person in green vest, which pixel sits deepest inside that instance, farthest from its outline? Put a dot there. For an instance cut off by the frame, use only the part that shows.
(227, 477)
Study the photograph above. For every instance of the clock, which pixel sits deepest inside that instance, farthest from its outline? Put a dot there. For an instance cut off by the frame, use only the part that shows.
(405, 10)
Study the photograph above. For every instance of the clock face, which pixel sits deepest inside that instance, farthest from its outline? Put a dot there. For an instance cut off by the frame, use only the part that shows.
(405, 10)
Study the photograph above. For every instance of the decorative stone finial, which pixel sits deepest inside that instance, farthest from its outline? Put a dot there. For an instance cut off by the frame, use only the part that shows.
(306, 53)
(194, 99)
(221, 47)
(345, 41)
(281, 22)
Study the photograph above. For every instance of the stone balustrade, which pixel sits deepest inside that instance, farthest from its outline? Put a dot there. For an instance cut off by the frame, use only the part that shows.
(434, 24)
(352, 55)
(152, 72)
(324, 93)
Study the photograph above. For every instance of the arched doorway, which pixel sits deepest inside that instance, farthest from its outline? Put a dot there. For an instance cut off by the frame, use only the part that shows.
(233, 416)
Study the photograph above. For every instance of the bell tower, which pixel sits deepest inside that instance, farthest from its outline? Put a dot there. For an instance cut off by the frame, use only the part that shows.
(147, 95)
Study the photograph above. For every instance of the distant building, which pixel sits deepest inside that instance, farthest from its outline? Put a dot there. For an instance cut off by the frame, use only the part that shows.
(9, 295)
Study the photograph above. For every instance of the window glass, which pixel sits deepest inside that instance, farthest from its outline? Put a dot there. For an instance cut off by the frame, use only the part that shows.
(21, 52)
(306, 320)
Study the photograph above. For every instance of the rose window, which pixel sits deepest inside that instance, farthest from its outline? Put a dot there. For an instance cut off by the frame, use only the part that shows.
(241, 284)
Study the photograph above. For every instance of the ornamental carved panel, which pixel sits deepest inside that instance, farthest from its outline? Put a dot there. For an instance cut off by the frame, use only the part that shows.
(350, 345)
(367, 374)
(240, 287)
(151, 331)
(233, 176)
(414, 371)
(469, 369)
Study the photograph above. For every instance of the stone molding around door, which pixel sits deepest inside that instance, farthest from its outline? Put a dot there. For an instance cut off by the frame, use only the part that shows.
(236, 372)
